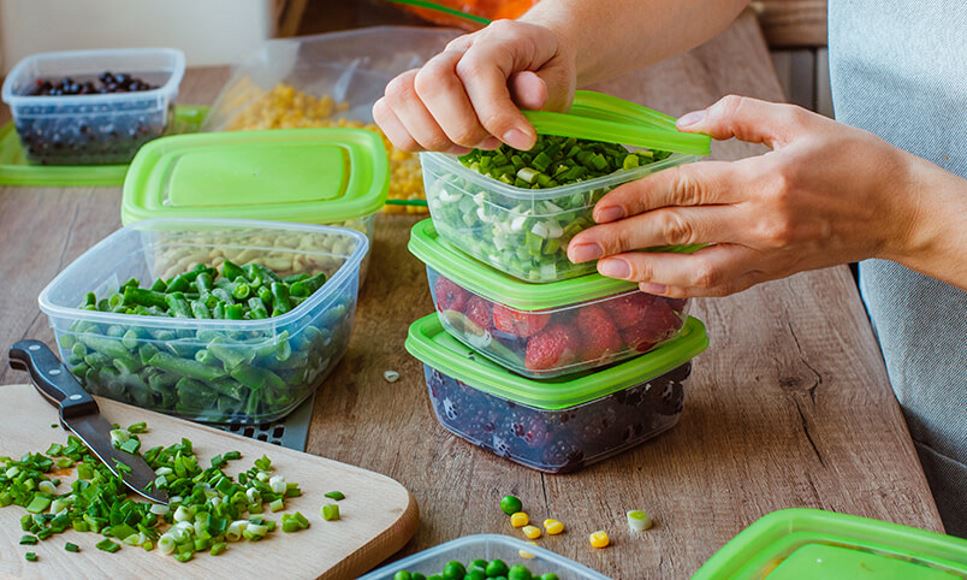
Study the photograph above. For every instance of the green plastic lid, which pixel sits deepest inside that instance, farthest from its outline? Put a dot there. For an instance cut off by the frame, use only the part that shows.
(497, 286)
(317, 176)
(428, 342)
(601, 117)
(16, 170)
(812, 544)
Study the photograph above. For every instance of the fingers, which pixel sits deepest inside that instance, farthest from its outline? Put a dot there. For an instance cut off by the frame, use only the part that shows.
(713, 271)
(685, 185)
(443, 96)
(748, 119)
(662, 227)
(402, 98)
(392, 127)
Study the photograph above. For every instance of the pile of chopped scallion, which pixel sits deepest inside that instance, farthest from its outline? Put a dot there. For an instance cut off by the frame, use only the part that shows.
(208, 508)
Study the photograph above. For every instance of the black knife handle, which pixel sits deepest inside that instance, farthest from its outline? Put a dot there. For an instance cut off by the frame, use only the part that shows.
(52, 378)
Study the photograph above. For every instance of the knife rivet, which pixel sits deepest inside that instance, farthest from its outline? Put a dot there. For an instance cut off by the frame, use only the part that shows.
(74, 397)
(54, 372)
(34, 347)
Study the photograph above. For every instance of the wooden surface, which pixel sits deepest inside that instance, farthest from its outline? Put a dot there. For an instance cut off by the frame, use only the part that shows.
(379, 515)
(792, 23)
(790, 406)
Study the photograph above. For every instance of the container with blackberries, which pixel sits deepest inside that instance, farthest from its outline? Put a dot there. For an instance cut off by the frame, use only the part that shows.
(92, 107)
(553, 376)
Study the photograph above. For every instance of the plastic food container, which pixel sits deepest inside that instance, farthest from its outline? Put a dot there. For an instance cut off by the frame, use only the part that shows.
(352, 67)
(522, 232)
(487, 547)
(558, 425)
(259, 370)
(542, 330)
(93, 129)
(808, 543)
(332, 177)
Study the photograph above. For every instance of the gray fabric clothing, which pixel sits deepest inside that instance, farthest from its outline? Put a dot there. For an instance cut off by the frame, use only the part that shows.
(899, 70)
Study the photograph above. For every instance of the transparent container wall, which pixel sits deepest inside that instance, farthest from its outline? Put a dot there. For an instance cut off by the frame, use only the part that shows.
(559, 441)
(605, 331)
(352, 67)
(92, 129)
(244, 371)
(518, 231)
(487, 547)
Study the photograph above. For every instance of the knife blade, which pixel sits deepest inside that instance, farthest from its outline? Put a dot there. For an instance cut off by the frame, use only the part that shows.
(81, 415)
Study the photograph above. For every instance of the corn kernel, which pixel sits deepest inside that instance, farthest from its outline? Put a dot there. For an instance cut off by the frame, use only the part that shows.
(531, 532)
(599, 539)
(553, 527)
(519, 519)
(525, 554)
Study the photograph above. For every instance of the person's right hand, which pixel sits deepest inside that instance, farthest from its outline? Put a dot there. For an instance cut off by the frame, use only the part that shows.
(469, 95)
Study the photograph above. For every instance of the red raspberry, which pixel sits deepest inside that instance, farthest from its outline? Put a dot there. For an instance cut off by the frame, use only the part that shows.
(661, 322)
(598, 333)
(555, 347)
(479, 312)
(449, 296)
(517, 323)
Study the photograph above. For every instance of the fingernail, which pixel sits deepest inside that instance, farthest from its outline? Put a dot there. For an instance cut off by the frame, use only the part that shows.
(614, 269)
(610, 214)
(458, 150)
(649, 288)
(584, 252)
(693, 118)
(518, 139)
(489, 143)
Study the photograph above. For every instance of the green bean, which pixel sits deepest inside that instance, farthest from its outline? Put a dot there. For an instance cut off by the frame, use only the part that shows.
(231, 270)
(185, 367)
(200, 310)
(139, 296)
(204, 282)
(281, 302)
(305, 288)
(178, 305)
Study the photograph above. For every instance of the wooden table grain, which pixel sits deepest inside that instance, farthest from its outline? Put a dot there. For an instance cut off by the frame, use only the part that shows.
(789, 407)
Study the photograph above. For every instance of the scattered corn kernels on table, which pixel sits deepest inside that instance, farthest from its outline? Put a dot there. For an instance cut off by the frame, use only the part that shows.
(285, 107)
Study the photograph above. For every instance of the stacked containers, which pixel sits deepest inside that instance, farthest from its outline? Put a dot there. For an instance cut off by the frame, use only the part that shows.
(507, 297)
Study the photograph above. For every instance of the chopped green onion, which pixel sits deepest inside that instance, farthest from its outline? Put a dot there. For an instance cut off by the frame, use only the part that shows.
(107, 546)
(72, 547)
(336, 495)
(30, 557)
(28, 540)
(330, 512)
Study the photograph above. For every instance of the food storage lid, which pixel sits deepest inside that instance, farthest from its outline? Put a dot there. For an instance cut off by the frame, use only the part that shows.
(428, 342)
(496, 286)
(809, 543)
(600, 117)
(318, 176)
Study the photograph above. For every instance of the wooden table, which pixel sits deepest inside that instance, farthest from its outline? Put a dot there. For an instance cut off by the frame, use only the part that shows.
(789, 407)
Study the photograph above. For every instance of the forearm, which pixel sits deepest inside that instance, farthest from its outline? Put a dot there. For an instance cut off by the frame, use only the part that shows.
(615, 36)
(937, 232)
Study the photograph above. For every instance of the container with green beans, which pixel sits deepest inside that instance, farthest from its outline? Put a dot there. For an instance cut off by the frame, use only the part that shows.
(222, 340)
(517, 210)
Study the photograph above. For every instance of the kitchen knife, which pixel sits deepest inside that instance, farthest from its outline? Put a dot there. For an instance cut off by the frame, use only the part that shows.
(80, 414)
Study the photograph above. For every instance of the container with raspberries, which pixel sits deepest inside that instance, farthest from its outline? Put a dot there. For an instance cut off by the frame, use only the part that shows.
(92, 107)
(557, 425)
(542, 330)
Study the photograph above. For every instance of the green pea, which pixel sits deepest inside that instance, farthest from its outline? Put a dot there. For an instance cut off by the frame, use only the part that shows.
(497, 568)
(519, 572)
(510, 505)
(454, 571)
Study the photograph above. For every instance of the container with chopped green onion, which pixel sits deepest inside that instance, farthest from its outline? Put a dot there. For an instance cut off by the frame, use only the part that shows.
(517, 210)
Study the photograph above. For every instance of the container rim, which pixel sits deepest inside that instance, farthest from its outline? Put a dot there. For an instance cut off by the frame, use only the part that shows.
(170, 86)
(349, 268)
(451, 162)
(511, 542)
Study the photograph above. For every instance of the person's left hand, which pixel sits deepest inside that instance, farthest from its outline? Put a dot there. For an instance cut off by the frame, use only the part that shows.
(826, 194)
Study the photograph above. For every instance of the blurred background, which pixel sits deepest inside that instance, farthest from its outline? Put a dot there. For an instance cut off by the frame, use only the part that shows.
(218, 32)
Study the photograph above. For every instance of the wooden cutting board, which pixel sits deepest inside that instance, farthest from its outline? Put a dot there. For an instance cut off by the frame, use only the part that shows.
(378, 515)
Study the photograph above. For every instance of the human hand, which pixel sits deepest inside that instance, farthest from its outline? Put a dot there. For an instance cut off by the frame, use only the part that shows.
(470, 94)
(826, 194)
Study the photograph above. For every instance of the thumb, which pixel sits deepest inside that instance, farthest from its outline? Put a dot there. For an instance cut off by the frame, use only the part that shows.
(547, 89)
(747, 119)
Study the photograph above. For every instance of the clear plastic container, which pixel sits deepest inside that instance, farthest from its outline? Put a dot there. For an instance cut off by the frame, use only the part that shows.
(351, 67)
(93, 129)
(542, 331)
(561, 425)
(522, 232)
(487, 547)
(239, 371)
